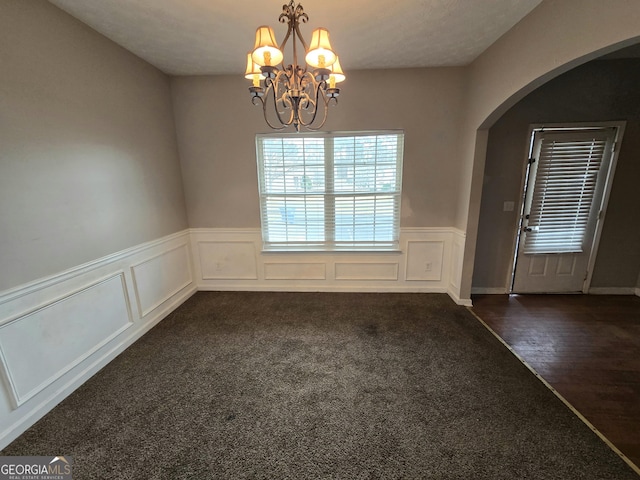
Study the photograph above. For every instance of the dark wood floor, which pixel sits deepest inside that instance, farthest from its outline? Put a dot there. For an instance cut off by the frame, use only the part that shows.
(586, 346)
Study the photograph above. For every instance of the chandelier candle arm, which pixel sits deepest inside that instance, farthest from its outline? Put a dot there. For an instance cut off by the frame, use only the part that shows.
(300, 90)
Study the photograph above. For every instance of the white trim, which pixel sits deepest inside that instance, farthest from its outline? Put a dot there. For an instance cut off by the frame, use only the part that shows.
(604, 203)
(620, 128)
(638, 292)
(38, 411)
(431, 230)
(17, 398)
(431, 265)
(465, 302)
(489, 291)
(283, 191)
(143, 312)
(439, 248)
(299, 271)
(257, 231)
(456, 258)
(120, 322)
(41, 283)
(36, 308)
(613, 291)
(429, 273)
(316, 288)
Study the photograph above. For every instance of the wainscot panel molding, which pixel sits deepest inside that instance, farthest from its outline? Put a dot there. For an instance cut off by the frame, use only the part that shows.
(56, 332)
(161, 276)
(37, 348)
(366, 271)
(429, 260)
(295, 271)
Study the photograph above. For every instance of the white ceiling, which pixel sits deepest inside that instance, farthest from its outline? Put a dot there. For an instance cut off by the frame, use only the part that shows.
(192, 37)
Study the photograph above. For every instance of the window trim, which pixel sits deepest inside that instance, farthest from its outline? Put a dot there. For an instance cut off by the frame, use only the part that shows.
(329, 245)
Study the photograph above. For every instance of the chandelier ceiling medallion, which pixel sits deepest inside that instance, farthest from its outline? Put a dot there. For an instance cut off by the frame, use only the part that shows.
(300, 95)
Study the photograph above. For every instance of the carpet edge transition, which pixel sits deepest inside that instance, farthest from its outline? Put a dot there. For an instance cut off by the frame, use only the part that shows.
(584, 420)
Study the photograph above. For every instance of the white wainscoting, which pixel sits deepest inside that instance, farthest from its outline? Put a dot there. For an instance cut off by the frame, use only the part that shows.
(57, 332)
(161, 276)
(429, 260)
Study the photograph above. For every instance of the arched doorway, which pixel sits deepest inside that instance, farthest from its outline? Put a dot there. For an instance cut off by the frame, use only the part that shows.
(600, 90)
(554, 38)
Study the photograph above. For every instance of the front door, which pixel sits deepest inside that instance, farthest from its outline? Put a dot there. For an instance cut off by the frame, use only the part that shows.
(563, 202)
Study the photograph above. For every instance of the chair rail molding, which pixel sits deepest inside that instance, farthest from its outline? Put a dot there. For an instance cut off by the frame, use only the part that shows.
(57, 332)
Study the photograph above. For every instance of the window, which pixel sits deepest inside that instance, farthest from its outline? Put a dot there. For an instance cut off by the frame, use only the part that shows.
(567, 177)
(330, 191)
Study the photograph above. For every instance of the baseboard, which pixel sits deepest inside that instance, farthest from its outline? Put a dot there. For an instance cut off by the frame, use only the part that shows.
(80, 320)
(465, 302)
(489, 291)
(613, 291)
(145, 283)
(39, 411)
(125, 294)
(592, 291)
(324, 288)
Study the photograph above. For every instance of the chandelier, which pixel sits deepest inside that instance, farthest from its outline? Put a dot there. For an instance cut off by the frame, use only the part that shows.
(299, 95)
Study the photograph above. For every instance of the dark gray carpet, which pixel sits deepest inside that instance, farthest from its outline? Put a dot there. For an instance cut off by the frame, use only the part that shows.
(319, 386)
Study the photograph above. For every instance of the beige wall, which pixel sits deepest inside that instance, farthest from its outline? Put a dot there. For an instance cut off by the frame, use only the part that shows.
(217, 124)
(101, 117)
(553, 38)
(597, 91)
(88, 162)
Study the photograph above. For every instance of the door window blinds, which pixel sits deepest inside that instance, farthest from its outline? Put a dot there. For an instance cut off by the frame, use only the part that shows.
(566, 181)
(330, 191)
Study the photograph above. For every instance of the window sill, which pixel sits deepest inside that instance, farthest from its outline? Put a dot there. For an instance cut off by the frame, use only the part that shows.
(277, 251)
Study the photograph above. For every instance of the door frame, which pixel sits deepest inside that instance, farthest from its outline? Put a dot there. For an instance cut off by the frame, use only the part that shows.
(620, 126)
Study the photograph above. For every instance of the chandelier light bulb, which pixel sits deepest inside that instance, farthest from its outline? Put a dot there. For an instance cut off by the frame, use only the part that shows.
(320, 54)
(337, 75)
(253, 72)
(266, 51)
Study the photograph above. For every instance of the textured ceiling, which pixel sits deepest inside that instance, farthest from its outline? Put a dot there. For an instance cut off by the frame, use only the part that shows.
(191, 37)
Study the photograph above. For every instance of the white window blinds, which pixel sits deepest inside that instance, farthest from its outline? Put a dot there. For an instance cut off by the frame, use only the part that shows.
(566, 181)
(330, 191)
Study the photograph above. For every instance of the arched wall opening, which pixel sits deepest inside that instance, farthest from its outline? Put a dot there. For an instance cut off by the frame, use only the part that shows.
(602, 90)
(548, 42)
